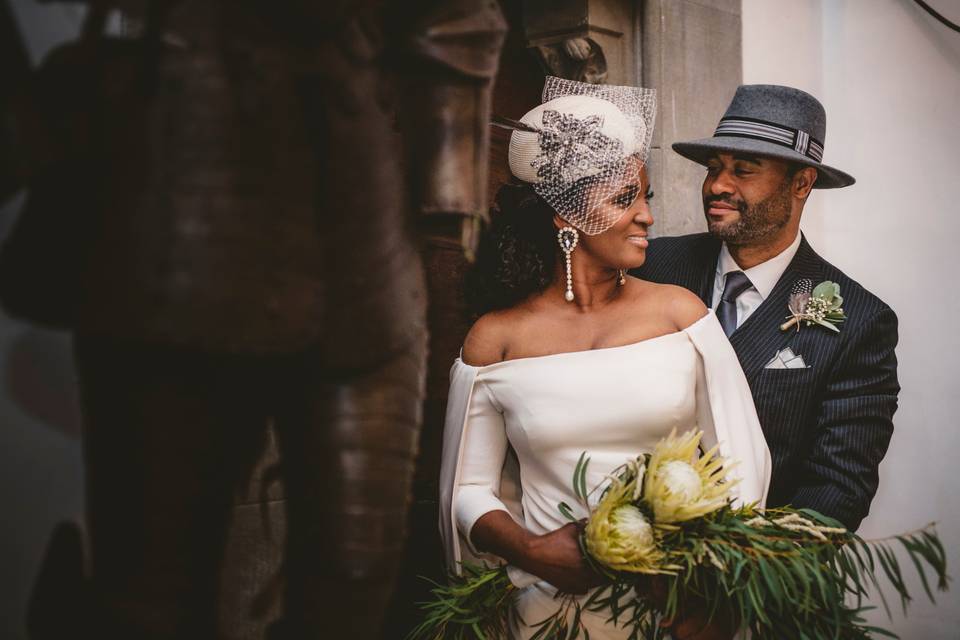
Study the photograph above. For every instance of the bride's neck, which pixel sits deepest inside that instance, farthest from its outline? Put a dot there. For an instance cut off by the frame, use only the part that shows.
(593, 286)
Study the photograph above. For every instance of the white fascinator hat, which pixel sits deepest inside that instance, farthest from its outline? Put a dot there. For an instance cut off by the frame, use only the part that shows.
(581, 146)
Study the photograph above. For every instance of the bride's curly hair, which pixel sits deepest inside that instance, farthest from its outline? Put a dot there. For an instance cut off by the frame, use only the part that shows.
(517, 254)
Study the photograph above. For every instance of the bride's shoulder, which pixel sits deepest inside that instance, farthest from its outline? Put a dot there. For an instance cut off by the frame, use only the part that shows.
(487, 339)
(681, 306)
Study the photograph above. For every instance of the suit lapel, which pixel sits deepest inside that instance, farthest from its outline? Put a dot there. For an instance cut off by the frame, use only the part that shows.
(759, 338)
(707, 269)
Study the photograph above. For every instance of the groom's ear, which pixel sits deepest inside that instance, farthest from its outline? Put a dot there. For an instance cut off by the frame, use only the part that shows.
(803, 181)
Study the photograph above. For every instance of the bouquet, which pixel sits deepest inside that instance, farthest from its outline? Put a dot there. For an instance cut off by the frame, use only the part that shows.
(780, 573)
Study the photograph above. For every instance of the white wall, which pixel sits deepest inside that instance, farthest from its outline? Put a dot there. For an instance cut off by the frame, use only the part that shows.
(889, 77)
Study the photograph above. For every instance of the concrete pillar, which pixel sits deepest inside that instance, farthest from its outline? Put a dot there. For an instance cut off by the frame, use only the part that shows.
(691, 54)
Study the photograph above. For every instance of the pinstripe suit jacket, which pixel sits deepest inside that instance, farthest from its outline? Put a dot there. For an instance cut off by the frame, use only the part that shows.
(829, 425)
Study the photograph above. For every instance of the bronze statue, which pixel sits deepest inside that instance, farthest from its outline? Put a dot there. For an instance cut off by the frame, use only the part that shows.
(248, 215)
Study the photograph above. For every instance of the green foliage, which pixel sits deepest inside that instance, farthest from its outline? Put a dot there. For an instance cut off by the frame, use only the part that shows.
(472, 606)
(565, 624)
(784, 574)
(768, 570)
(828, 290)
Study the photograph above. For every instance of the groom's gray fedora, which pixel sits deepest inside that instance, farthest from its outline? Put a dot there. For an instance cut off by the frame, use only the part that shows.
(770, 120)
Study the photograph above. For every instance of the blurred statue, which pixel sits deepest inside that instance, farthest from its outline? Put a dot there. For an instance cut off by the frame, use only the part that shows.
(222, 209)
(580, 59)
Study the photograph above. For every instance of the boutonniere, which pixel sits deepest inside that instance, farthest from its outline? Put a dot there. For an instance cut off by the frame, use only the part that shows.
(820, 305)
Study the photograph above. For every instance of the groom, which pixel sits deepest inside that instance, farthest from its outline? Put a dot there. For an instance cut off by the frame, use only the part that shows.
(825, 398)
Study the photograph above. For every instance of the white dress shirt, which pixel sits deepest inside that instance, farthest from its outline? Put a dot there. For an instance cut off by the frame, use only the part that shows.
(763, 277)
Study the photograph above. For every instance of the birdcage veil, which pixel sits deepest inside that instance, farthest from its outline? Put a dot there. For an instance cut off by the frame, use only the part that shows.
(582, 146)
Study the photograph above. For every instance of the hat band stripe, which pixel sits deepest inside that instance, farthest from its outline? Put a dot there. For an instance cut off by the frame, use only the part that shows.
(800, 141)
(780, 135)
(816, 150)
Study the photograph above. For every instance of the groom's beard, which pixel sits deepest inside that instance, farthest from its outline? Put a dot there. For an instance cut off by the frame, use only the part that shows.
(756, 222)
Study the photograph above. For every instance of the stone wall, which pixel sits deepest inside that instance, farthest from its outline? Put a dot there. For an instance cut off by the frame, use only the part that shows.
(691, 54)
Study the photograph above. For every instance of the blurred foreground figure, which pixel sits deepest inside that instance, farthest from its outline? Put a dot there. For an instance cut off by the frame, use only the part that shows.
(227, 224)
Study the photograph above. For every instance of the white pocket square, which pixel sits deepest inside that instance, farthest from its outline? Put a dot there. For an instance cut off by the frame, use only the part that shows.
(786, 359)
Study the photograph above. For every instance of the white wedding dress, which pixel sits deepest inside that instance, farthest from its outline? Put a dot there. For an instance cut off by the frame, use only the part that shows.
(612, 403)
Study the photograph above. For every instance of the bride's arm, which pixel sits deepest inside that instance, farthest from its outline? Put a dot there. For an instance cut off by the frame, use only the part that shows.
(554, 557)
(725, 410)
(483, 517)
(483, 451)
(726, 413)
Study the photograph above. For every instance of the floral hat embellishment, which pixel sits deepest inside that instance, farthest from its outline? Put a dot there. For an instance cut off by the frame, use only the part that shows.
(572, 148)
(811, 305)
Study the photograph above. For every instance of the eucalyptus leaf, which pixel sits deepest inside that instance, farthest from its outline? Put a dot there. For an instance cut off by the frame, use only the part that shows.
(826, 290)
(824, 323)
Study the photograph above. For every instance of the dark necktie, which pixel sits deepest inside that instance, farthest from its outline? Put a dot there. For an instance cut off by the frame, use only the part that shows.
(737, 282)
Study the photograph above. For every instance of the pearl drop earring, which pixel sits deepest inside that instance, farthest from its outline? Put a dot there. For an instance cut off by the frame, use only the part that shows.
(623, 278)
(568, 238)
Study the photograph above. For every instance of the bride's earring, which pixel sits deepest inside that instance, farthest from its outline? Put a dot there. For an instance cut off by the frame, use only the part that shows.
(568, 238)
(623, 278)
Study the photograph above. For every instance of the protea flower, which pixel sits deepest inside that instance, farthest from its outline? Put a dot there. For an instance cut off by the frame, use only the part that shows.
(680, 487)
(618, 535)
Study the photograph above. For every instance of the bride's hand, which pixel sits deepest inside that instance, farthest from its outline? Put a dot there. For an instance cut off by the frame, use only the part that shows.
(556, 558)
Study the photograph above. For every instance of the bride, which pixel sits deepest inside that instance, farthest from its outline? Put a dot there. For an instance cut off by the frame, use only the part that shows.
(570, 355)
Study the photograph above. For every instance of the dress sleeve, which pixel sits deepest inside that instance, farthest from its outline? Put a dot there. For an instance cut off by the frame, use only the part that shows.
(474, 449)
(484, 450)
(726, 412)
